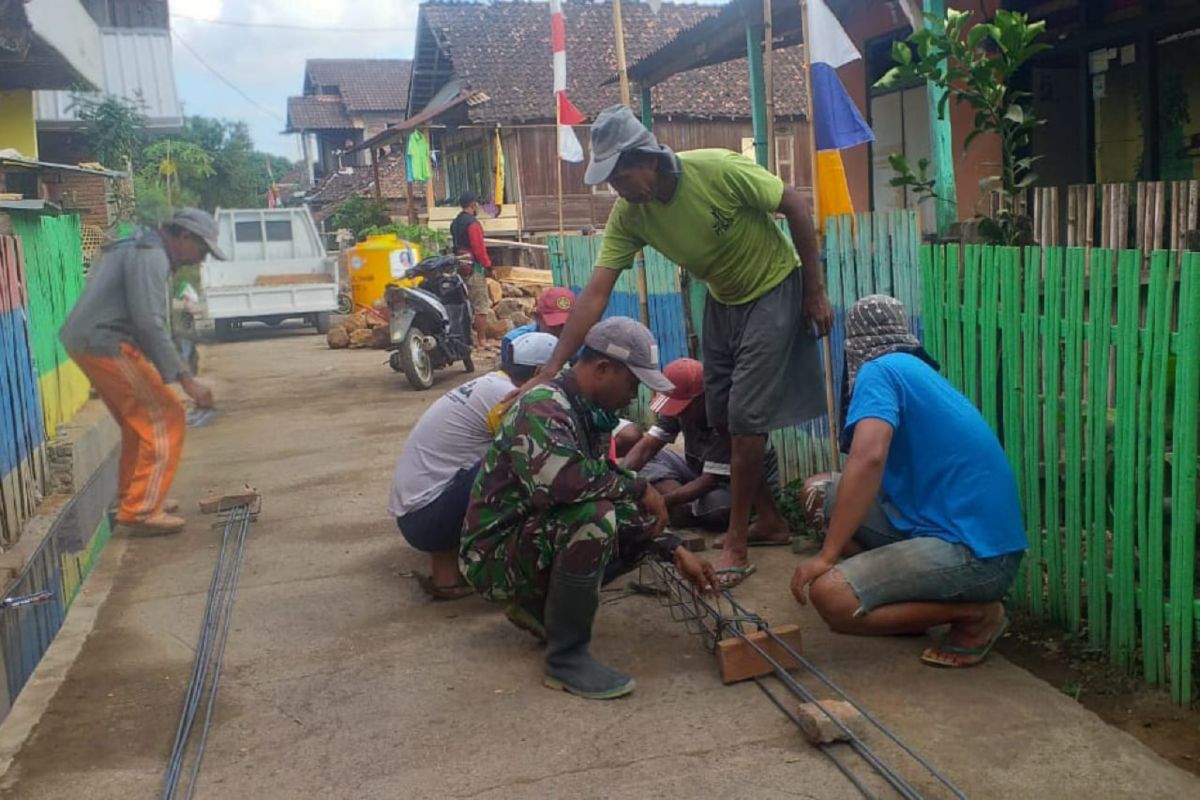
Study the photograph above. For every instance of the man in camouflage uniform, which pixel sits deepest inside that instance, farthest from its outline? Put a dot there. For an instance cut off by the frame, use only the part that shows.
(551, 517)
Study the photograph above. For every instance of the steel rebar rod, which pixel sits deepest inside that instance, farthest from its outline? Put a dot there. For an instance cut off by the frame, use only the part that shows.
(210, 650)
(676, 587)
(826, 750)
(808, 665)
(220, 655)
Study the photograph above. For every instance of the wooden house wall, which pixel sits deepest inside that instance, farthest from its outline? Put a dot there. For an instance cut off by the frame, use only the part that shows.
(532, 153)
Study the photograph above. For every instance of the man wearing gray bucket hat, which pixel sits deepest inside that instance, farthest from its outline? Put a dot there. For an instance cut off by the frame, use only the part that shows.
(713, 213)
(119, 336)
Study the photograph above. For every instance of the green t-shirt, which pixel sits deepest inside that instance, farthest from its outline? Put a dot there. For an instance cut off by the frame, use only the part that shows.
(719, 226)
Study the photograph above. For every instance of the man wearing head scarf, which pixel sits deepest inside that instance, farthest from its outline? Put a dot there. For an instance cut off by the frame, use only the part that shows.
(926, 513)
(714, 213)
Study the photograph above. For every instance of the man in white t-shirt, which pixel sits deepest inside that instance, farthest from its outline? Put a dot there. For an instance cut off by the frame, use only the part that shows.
(440, 459)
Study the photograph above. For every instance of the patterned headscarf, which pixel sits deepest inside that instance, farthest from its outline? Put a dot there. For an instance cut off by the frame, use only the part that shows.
(876, 326)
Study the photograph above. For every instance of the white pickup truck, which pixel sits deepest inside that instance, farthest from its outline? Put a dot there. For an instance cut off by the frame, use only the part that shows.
(277, 270)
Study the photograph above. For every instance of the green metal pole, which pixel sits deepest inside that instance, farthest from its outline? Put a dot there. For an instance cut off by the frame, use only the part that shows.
(758, 92)
(647, 109)
(941, 145)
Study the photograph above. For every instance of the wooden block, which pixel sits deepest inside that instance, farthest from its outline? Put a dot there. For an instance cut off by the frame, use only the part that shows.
(224, 502)
(694, 542)
(818, 728)
(738, 661)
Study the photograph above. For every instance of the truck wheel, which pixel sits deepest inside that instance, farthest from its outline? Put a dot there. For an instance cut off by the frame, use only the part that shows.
(224, 330)
(322, 323)
(418, 367)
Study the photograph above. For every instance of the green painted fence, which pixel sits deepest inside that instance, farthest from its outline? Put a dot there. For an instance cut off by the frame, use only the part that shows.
(1088, 368)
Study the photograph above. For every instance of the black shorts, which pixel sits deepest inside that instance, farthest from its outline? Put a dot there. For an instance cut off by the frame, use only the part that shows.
(762, 365)
(437, 527)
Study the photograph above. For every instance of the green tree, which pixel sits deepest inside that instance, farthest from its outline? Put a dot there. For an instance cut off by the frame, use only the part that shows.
(978, 63)
(113, 127)
(240, 176)
(358, 213)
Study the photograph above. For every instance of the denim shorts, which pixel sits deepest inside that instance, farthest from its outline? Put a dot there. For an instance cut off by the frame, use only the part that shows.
(898, 568)
(437, 527)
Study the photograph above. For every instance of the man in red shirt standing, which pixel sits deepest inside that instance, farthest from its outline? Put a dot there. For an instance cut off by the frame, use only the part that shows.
(467, 236)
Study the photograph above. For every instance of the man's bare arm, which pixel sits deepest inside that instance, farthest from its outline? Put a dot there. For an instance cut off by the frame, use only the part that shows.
(798, 213)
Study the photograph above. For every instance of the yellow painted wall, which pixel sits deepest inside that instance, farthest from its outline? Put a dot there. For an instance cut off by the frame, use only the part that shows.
(18, 128)
(64, 391)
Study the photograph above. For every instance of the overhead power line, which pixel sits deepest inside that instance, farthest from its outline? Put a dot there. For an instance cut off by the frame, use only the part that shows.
(286, 27)
(223, 79)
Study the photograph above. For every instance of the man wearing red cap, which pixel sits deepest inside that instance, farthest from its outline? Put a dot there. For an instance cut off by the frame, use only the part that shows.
(695, 485)
(553, 307)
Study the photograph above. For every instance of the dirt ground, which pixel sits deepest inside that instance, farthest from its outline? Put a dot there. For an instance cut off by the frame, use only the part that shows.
(1147, 714)
(342, 680)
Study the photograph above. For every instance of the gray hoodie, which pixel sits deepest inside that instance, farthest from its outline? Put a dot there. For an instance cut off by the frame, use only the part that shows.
(126, 300)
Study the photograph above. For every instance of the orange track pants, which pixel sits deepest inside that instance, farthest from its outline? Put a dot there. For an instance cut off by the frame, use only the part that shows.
(153, 423)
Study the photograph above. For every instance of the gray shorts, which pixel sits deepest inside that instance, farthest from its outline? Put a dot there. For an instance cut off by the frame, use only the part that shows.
(898, 568)
(668, 465)
(762, 366)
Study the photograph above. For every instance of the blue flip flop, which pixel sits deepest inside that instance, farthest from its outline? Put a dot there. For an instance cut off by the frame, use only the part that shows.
(977, 653)
(738, 574)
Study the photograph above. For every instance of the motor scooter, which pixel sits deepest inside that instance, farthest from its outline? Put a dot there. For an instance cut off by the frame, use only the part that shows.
(430, 326)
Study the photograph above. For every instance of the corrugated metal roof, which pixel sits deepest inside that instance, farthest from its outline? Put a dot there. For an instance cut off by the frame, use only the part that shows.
(138, 67)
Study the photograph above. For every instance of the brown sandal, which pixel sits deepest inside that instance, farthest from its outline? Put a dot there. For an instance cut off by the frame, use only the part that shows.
(456, 592)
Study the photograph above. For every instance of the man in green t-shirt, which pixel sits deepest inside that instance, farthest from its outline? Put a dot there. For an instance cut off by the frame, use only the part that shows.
(713, 213)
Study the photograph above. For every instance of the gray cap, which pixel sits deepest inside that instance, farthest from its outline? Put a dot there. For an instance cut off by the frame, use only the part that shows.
(201, 223)
(616, 131)
(630, 342)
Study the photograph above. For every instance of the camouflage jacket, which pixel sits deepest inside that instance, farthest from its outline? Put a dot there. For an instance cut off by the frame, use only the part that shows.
(547, 453)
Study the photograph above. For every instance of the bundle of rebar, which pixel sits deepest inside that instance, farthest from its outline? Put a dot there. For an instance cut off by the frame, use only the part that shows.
(200, 698)
(722, 617)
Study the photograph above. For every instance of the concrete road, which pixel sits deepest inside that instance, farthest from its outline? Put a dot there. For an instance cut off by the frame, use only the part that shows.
(342, 681)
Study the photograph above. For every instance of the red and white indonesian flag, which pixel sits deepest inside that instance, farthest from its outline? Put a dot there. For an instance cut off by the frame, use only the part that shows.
(567, 114)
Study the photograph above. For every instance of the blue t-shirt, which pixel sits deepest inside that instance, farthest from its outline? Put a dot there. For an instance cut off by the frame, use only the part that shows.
(946, 474)
(506, 343)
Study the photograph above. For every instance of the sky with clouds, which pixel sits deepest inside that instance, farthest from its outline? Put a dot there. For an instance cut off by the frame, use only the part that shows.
(266, 63)
(236, 40)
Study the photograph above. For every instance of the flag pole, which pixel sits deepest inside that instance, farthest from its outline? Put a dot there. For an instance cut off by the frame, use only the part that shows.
(559, 169)
(769, 81)
(622, 71)
(827, 341)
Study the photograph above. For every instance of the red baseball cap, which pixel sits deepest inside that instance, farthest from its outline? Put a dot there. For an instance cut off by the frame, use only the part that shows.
(687, 375)
(554, 306)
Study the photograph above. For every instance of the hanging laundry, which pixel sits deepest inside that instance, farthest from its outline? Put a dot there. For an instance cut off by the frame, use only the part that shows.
(418, 154)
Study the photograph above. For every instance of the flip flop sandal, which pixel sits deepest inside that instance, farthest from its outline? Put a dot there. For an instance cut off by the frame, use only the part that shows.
(931, 655)
(720, 543)
(456, 592)
(738, 574)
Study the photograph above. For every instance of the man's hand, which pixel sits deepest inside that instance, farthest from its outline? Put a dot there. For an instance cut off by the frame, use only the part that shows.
(817, 310)
(652, 503)
(201, 395)
(697, 571)
(808, 571)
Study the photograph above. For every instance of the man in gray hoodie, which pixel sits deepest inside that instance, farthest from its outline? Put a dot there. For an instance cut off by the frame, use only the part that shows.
(118, 334)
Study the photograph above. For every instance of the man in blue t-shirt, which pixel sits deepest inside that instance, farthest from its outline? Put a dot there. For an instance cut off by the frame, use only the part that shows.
(926, 512)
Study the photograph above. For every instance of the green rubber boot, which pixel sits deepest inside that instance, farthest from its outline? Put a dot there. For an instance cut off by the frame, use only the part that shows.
(570, 609)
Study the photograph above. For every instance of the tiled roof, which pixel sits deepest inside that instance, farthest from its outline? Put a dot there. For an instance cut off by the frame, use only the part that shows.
(503, 50)
(330, 194)
(365, 84)
(319, 113)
